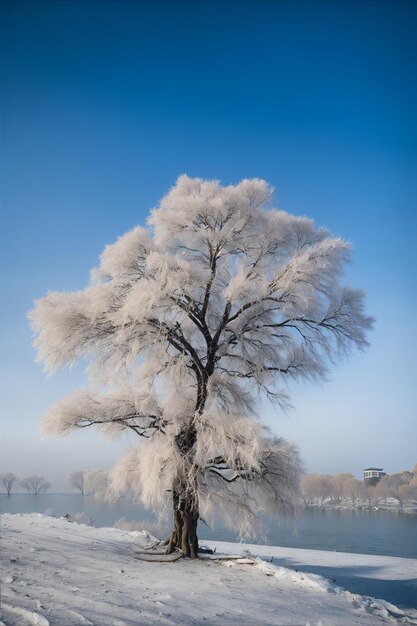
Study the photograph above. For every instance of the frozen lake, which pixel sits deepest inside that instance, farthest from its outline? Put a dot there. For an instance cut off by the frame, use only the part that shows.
(361, 532)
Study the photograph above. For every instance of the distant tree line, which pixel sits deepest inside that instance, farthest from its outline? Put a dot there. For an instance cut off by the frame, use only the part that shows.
(346, 490)
(32, 484)
(340, 490)
(85, 481)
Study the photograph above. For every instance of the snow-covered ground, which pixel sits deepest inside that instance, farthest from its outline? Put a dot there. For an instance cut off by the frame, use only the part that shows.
(391, 578)
(65, 574)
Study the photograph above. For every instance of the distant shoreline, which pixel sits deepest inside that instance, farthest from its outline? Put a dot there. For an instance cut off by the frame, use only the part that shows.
(391, 507)
(386, 508)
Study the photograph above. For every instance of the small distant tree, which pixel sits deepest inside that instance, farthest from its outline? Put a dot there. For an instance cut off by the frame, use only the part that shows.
(35, 484)
(352, 488)
(372, 494)
(316, 488)
(305, 492)
(97, 482)
(337, 485)
(392, 486)
(184, 324)
(408, 492)
(9, 479)
(77, 479)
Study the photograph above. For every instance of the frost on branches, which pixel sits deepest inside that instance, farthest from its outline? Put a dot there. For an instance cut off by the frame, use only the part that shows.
(184, 323)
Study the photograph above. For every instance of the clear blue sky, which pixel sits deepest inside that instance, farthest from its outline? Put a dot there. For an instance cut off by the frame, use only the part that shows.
(105, 103)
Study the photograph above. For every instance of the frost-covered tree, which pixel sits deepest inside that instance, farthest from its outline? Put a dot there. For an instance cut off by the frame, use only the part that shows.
(77, 479)
(35, 484)
(9, 479)
(184, 324)
(97, 482)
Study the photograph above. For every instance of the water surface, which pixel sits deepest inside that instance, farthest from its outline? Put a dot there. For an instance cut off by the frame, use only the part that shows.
(362, 532)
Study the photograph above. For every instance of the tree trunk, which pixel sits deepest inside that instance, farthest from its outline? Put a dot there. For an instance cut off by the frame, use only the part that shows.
(184, 535)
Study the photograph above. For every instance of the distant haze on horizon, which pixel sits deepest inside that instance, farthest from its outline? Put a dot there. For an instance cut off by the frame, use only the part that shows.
(106, 103)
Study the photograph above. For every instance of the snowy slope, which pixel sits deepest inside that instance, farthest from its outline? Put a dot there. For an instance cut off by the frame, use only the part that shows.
(391, 578)
(65, 574)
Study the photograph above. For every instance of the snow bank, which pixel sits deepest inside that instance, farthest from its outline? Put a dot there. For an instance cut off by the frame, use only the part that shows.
(61, 573)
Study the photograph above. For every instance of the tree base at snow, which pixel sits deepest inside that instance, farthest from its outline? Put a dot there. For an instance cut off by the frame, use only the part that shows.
(184, 535)
(158, 556)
